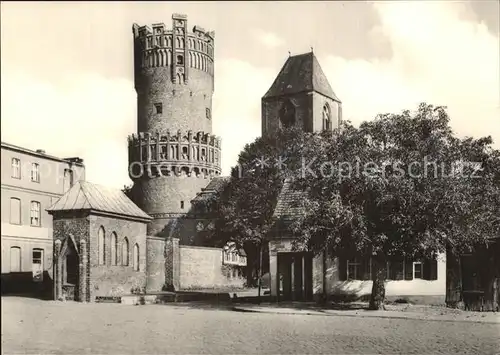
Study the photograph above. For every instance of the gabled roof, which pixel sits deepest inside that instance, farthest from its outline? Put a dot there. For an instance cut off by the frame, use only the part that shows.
(215, 185)
(301, 73)
(96, 198)
(289, 205)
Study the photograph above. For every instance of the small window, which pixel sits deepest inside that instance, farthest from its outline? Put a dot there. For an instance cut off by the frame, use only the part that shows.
(125, 252)
(327, 122)
(68, 180)
(35, 213)
(136, 257)
(180, 60)
(15, 210)
(114, 249)
(182, 204)
(37, 257)
(35, 172)
(159, 108)
(16, 168)
(101, 246)
(208, 114)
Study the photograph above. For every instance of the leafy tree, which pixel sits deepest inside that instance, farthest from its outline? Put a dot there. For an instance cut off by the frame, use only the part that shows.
(394, 186)
(246, 205)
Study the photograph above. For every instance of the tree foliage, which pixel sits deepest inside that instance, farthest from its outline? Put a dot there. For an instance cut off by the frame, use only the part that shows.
(246, 205)
(401, 184)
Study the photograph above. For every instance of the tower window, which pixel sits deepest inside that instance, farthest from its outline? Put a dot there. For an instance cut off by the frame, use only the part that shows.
(182, 204)
(208, 113)
(287, 114)
(180, 60)
(327, 121)
(159, 108)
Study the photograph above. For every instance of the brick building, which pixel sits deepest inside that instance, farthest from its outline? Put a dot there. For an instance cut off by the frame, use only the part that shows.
(99, 243)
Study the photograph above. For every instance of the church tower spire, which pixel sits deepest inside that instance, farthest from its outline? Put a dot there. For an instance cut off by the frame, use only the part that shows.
(301, 96)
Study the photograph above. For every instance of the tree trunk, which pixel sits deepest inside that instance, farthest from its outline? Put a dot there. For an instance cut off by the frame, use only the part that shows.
(260, 271)
(492, 277)
(379, 273)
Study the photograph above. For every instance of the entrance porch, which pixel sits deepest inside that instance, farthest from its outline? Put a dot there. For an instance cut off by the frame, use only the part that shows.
(70, 270)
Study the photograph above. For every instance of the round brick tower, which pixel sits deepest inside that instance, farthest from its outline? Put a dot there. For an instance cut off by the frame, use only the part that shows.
(174, 155)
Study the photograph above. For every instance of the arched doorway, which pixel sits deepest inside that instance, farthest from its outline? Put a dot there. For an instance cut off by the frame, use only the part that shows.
(71, 274)
(68, 271)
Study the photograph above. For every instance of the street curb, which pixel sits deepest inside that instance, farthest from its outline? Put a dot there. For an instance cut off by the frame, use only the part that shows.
(331, 314)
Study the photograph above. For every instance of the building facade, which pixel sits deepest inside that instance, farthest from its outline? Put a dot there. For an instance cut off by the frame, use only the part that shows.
(174, 153)
(31, 182)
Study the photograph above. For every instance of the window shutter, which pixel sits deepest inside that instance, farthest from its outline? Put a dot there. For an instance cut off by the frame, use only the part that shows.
(342, 268)
(430, 270)
(408, 269)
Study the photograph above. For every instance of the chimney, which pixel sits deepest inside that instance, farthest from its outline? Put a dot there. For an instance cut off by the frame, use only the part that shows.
(41, 151)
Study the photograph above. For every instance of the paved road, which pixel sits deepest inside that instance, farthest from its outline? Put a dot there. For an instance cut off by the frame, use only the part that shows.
(31, 326)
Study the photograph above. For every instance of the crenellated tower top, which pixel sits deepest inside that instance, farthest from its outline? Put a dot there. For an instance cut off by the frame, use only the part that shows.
(174, 153)
(177, 47)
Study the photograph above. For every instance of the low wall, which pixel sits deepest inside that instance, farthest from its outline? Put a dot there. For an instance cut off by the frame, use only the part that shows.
(202, 268)
(155, 264)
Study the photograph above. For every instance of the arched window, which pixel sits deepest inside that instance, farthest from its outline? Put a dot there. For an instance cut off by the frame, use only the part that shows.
(287, 114)
(114, 249)
(15, 259)
(136, 257)
(327, 120)
(101, 245)
(125, 252)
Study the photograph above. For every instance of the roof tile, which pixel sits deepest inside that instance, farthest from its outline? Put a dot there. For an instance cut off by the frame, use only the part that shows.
(88, 196)
(301, 73)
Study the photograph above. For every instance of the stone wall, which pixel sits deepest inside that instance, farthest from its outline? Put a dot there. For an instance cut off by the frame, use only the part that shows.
(155, 264)
(202, 268)
(115, 280)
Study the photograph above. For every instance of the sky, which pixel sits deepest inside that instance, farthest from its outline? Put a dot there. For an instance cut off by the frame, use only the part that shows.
(67, 67)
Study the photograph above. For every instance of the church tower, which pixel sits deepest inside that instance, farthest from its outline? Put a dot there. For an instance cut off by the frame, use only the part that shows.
(174, 154)
(301, 96)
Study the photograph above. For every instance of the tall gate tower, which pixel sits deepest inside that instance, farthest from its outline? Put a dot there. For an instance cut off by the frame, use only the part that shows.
(174, 155)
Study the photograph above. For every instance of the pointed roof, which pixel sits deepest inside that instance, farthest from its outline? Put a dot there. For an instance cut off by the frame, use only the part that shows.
(214, 186)
(289, 206)
(301, 73)
(96, 198)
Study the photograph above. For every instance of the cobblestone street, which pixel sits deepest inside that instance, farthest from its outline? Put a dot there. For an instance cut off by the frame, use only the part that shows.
(33, 326)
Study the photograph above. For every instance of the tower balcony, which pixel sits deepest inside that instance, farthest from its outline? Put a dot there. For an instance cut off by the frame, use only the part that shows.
(197, 155)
